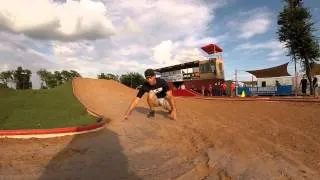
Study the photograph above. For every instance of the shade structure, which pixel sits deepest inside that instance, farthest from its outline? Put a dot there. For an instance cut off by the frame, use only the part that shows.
(276, 71)
(315, 69)
(212, 49)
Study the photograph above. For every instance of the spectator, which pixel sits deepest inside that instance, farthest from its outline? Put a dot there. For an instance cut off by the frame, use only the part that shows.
(232, 89)
(210, 89)
(316, 87)
(303, 84)
(202, 89)
(218, 89)
(223, 88)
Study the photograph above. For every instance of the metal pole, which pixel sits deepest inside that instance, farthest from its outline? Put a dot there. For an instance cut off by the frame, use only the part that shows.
(296, 77)
(236, 79)
(252, 82)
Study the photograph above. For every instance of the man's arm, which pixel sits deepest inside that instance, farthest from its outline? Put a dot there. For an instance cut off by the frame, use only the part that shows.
(171, 100)
(133, 104)
(172, 103)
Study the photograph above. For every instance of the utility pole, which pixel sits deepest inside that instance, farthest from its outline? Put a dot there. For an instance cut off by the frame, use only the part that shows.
(252, 81)
(236, 79)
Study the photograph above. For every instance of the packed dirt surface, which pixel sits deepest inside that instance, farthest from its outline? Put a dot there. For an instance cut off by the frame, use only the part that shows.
(211, 139)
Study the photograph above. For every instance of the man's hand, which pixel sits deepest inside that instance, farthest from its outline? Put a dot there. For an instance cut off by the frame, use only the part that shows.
(131, 107)
(125, 117)
(173, 114)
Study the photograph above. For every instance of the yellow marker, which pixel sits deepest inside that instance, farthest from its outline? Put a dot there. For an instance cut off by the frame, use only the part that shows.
(243, 94)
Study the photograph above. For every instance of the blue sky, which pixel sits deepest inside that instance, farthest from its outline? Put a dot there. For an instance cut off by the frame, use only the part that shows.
(257, 58)
(119, 36)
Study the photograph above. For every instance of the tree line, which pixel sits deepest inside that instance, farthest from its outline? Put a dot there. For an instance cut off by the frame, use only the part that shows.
(130, 79)
(22, 78)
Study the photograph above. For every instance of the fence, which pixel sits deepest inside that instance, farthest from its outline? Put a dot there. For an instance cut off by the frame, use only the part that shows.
(286, 90)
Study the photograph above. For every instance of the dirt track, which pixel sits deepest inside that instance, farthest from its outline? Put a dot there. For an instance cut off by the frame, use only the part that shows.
(213, 139)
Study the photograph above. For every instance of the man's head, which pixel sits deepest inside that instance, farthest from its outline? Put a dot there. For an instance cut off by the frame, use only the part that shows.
(150, 76)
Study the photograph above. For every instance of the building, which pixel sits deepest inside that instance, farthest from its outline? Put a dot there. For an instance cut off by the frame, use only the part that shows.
(195, 74)
(277, 81)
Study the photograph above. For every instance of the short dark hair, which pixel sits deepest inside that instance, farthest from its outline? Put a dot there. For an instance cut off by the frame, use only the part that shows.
(149, 72)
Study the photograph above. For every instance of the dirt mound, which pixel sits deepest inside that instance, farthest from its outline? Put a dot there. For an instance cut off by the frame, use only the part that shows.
(102, 97)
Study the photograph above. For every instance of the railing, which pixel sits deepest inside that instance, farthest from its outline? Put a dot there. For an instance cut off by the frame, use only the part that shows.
(270, 90)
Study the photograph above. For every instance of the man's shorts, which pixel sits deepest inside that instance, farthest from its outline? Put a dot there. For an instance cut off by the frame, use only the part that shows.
(164, 103)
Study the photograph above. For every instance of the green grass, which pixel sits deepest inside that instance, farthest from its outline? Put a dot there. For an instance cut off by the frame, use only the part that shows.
(53, 108)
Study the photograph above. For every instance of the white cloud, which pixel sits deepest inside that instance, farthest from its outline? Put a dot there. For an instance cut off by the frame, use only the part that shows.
(163, 53)
(44, 19)
(149, 34)
(276, 49)
(252, 23)
(132, 26)
(72, 48)
(168, 53)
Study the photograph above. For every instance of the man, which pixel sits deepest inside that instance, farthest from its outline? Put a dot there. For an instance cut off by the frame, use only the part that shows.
(233, 88)
(303, 84)
(315, 83)
(159, 94)
(210, 89)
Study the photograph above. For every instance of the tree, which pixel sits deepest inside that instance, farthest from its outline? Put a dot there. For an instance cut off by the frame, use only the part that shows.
(108, 76)
(74, 74)
(48, 78)
(296, 32)
(44, 75)
(132, 79)
(22, 78)
(56, 78)
(68, 76)
(6, 77)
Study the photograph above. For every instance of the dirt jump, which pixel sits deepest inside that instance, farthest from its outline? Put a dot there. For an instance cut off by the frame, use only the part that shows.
(209, 140)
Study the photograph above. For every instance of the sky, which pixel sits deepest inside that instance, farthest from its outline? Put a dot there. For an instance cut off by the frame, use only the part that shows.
(120, 36)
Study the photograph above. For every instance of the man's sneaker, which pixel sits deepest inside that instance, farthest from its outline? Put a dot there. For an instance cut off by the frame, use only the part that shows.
(151, 114)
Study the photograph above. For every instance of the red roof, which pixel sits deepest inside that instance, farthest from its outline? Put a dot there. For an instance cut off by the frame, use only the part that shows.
(212, 48)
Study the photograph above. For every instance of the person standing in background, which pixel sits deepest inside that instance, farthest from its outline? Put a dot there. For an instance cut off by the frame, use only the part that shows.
(232, 89)
(303, 85)
(202, 89)
(315, 84)
(210, 89)
(223, 89)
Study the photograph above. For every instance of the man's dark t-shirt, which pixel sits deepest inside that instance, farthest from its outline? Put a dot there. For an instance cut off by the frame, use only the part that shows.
(160, 88)
(315, 80)
(304, 83)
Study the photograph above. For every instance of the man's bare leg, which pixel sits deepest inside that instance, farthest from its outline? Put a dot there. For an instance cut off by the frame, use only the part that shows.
(152, 102)
(166, 105)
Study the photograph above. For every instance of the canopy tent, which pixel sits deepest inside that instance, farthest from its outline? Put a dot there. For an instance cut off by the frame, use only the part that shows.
(212, 49)
(315, 69)
(276, 71)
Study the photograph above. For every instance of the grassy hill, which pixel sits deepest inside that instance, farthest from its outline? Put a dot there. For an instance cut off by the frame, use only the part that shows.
(50, 108)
